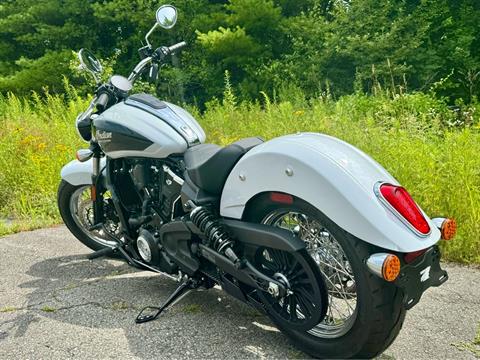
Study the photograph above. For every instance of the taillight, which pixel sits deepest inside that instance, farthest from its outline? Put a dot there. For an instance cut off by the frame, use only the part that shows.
(400, 200)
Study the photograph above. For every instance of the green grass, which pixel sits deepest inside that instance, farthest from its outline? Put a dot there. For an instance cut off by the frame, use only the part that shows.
(120, 305)
(192, 308)
(409, 135)
(47, 308)
(8, 309)
(472, 346)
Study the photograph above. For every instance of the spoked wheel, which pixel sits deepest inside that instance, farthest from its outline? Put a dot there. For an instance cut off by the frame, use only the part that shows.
(330, 258)
(364, 313)
(305, 302)
(76, 208)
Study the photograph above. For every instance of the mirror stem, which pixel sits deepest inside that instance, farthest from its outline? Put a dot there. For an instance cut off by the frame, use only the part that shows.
(149, 33)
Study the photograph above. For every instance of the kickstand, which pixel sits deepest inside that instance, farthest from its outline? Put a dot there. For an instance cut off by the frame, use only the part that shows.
(183, 289)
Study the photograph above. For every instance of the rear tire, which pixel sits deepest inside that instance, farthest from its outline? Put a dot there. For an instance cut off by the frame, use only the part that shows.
(379, 309)
(65, 194)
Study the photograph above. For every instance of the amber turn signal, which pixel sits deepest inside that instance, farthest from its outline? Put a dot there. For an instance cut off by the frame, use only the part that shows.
(384, 265)
(448, 229)
(391, 267)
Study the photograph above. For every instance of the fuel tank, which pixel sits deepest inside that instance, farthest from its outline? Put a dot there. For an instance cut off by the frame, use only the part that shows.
(143, 126)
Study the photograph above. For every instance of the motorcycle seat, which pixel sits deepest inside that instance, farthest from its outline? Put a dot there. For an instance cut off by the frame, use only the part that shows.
(208, 165)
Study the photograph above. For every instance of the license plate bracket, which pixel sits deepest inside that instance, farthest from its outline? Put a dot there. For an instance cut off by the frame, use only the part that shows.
(418, 276)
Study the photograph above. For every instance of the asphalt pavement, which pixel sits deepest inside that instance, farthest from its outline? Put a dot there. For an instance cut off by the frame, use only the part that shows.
(56, 304)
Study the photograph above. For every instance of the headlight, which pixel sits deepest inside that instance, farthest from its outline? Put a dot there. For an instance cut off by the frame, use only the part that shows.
(84, 127)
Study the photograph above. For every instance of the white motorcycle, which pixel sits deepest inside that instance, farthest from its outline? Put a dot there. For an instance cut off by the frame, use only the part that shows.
(306, 228)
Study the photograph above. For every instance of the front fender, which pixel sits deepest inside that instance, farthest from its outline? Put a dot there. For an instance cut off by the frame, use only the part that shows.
(333, 176)
(79, 173)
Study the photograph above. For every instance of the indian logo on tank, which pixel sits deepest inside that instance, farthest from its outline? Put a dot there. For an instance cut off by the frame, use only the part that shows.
(104, 135)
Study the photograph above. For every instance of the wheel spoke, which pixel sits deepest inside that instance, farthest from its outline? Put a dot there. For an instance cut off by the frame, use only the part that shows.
(328, 253)
(268, 264)
(305, 306)
(293, 307)
(276, 258)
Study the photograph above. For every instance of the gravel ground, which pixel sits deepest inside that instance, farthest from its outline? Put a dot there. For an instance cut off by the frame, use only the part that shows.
(56, 304)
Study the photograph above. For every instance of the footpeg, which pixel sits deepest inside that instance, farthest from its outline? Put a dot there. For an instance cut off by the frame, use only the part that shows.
(179, 292)
(108, 252)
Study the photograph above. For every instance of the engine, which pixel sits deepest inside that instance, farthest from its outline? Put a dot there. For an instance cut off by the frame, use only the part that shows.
(149, 191)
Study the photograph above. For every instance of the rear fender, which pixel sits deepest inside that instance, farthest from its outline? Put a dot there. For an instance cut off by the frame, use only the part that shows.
(333, 176)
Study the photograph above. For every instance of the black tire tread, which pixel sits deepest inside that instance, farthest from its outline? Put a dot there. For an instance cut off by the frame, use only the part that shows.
(386, 315)
(65, 191)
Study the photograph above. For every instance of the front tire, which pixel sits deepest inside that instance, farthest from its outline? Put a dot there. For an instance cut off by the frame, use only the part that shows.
(379, 313)
(76, 209)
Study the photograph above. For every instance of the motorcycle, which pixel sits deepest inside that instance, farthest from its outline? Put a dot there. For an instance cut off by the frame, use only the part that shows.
(305, 228)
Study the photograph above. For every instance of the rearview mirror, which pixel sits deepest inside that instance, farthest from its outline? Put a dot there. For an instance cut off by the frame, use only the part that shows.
(166, 16)
(89, 62)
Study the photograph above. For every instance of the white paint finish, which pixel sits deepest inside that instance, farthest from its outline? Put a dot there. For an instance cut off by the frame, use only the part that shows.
(78, 173)
(166, 140)
(330, 174)
(190, 120)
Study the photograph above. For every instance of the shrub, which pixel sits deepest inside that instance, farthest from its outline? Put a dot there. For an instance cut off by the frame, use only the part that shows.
(409, 135)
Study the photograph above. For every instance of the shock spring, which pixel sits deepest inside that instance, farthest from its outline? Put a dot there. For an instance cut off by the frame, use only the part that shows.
(217, 237)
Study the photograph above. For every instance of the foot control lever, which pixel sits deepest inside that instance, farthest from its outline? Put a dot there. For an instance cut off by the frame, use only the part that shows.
(183, 289)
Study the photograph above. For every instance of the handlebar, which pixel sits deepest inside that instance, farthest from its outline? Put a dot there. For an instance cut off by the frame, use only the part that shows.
(172, 49)
(157, 56)
(164, 51)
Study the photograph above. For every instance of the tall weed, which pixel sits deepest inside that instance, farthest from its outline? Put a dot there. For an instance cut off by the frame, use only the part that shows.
(410, 135)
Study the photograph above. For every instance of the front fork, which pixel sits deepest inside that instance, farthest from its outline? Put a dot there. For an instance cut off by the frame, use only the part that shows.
(97, 189)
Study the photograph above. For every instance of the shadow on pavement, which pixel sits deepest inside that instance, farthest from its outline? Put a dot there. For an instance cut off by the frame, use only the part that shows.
(107, 294)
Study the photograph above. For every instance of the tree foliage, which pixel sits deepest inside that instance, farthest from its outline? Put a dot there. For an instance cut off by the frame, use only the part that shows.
(319, 46)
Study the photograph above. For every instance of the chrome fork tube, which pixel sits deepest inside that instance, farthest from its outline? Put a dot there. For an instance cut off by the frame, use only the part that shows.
(96, 166)
(96, 193)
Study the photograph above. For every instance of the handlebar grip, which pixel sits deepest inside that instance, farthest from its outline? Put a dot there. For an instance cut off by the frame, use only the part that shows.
(176, 47)
(102, 101)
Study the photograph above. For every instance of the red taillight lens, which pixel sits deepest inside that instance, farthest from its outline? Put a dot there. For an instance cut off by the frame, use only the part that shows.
(400, 200)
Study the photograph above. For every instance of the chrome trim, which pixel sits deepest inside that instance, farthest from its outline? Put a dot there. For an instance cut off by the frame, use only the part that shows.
(194, 211)
(174, 176)
(375, 263)
(138, 69)
(144, 249)
(438, 222)
(150, 33)
(376, 190)
(96, 166)
(173, 205)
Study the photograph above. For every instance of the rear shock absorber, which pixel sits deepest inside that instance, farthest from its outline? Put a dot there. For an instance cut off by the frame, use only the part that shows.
(216, 234)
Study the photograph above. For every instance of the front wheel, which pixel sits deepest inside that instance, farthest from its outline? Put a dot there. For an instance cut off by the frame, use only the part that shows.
(76, 208)
(365, 313)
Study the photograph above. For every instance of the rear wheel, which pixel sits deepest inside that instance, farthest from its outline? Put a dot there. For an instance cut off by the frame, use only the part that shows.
(364, 313)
